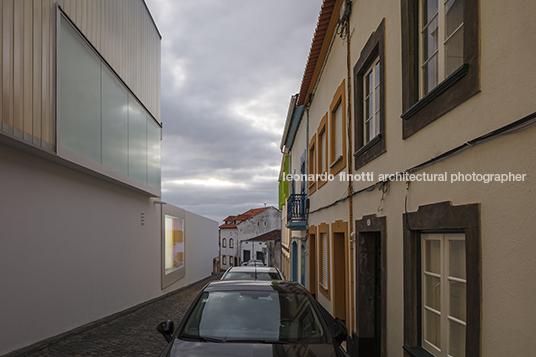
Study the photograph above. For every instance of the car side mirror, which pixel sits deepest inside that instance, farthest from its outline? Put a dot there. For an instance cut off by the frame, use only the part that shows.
(166, 328)
(340, 331)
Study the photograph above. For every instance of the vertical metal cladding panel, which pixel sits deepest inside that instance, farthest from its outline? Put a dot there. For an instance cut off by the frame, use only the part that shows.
(27, 90)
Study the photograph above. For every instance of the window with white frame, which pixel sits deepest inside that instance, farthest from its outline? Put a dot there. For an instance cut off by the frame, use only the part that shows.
(443, 281)
(337, 132)
(441, 43)
(371, 105)
(323, 150)
(224, 260)
(224, 243)
(231, 243)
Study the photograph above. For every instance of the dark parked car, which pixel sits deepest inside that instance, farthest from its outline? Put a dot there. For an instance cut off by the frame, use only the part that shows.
(254, 318)
(252, 272)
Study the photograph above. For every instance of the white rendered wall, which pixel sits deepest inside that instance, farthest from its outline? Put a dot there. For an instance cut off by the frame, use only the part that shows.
(73, 249)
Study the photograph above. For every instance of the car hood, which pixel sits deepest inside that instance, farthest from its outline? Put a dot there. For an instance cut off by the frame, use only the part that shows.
(197, 349)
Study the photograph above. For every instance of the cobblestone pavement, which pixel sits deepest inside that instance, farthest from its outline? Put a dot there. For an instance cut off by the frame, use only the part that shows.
(129, 335)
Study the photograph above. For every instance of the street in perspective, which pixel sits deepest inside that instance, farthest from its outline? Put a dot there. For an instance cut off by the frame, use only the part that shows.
(267, 178)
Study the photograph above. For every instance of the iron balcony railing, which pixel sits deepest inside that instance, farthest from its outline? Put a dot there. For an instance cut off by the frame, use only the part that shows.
(296, 208)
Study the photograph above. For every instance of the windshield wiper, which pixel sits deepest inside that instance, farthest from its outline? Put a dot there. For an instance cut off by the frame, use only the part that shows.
(202, 338)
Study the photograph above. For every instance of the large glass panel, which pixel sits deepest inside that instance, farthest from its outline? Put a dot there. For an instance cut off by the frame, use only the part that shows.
(114, 123)
(457, 300)
(174, 249)
(137, 141)
(432, 288)
(80, 104)
(432, 328)
(457, 339)
(154, 150)
(457, 259)
(432, 256)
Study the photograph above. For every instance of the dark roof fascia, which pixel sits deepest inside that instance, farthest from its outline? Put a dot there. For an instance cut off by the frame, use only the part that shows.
(293, 129)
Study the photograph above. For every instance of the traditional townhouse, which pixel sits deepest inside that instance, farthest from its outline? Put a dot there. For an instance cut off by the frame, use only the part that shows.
(422, 113)
(237, 229)
(83, 232)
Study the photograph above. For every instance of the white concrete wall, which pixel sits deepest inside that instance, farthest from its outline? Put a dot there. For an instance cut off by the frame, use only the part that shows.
(73, 249)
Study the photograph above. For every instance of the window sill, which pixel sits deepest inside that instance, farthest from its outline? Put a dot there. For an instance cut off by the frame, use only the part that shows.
(417, 351)
(368, 145)
(335, 162)
(437, 91)
(324, 291)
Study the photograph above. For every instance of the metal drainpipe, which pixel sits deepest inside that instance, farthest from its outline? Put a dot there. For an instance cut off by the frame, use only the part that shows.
(350, 181)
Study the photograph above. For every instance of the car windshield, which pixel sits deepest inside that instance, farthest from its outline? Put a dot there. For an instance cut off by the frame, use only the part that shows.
(254, 316)
(252, 275)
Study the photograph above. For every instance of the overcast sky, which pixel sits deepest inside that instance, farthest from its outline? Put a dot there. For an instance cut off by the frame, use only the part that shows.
(229, 68)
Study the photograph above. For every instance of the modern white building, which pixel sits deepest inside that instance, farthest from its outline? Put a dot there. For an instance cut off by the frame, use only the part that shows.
(83, 233)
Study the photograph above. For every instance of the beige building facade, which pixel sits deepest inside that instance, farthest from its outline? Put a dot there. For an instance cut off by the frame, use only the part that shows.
(425, 250)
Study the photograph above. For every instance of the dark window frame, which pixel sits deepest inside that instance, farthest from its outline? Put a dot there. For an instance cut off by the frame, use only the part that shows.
(374, 48)
(453, 90)
(442, 217)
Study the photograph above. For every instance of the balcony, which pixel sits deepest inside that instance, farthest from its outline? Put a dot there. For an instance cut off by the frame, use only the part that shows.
(296, 212)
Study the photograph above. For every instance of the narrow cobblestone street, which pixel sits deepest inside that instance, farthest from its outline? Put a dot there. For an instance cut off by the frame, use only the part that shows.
(133, 334)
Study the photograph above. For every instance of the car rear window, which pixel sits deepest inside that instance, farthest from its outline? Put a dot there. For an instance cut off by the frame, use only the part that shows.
(266, 316)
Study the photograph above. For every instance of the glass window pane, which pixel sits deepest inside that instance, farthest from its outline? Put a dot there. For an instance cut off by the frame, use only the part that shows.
(432, 328)
(430, 73)
(457, 339)
(368, 84)
(454, 52)
(454, 16)
(80, 102)
(368, 130)
(377, 70)
(432, 289)
(153, 147)
(430, 8)
(137, 141)
(114, 123)
(458, 298)
(457, 259)
(338, 132)
(430, 40)
(432, 257)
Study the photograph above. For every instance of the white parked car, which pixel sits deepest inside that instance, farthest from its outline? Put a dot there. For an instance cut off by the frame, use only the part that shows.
(252, 272)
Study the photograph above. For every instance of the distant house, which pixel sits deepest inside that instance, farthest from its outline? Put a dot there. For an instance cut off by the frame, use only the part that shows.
(83, 232)
(237, 229)
(263, 248)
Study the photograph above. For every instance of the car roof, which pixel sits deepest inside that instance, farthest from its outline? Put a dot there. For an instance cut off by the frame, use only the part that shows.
(238, 269)
(234, 285)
